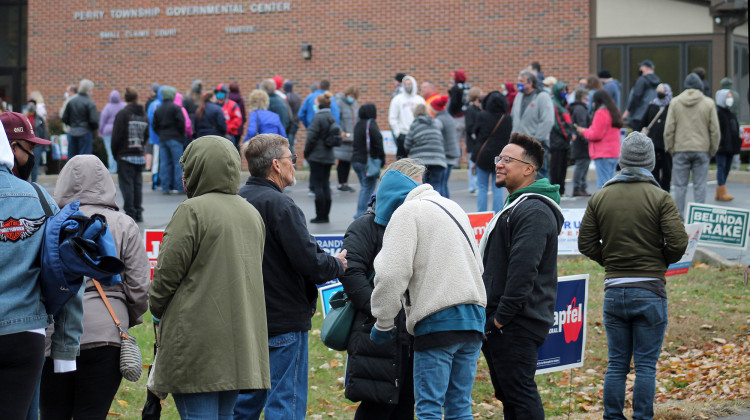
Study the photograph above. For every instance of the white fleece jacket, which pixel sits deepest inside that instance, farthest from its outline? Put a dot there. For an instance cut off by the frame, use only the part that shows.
(425, 254)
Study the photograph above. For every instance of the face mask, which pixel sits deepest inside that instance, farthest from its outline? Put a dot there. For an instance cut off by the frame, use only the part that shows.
(582, 86)
(520, 86)
(661, 95)
(730, 102)
(504, 92)
(24, 171)
(315, 108)
(407, 89)
(221, 95)
(67, 95)
(31, 108)
(640, 72)
(548, 90)
(563, 95)
(350, 99)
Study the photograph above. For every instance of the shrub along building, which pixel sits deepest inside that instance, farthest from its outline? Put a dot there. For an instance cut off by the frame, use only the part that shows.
(46, 45)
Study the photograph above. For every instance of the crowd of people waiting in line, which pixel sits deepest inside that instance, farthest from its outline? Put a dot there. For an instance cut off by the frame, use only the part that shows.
(428, 299)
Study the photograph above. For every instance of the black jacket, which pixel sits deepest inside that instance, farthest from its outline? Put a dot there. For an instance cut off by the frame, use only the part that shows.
(293, 263)
(472, 114)
(374, 371)
(128, 123)
(315, 147)
(520, 266)
(494, 108)
(81, 115)
(212, 123)
(169, 122)
(656, 132)
(580, 116)
(359, 144)
(731, 142)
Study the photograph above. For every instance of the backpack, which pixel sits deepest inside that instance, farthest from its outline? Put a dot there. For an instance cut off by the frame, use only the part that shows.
(333, 139)
(137, 126)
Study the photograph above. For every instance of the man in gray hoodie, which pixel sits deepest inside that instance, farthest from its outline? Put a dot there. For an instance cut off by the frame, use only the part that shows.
(533, 114)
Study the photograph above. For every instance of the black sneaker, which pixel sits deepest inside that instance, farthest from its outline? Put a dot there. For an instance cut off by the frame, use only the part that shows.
(320, 220)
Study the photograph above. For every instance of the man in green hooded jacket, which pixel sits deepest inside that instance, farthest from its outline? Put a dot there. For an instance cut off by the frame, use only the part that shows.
(519, 252)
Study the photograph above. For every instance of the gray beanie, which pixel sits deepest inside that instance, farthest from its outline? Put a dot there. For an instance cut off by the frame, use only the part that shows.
(693, 81)
(637, 151)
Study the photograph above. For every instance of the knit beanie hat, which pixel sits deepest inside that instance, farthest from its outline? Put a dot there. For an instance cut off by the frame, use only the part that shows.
(439, 103)
(637, 151)
(168, 93)
(693, 81)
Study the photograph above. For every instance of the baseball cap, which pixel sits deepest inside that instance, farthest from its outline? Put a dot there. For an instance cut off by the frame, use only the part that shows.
(647, 63)
(18, 127)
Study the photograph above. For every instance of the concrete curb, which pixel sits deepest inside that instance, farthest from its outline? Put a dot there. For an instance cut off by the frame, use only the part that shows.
(709, 257)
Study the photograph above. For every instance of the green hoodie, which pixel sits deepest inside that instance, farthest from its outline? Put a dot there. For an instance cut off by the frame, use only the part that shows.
(541, 186)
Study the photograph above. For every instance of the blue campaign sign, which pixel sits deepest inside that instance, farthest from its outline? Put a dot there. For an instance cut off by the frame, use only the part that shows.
(331, 244)
(326, 291)
(566, 342)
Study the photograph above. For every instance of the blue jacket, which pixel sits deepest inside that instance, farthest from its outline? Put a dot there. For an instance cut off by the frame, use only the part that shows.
(306, 111)
(212, 123)
(153, 138)
(268, 121)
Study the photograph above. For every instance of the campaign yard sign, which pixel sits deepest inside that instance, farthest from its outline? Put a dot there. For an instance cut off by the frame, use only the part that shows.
(683, 265)
(152, 239)
(724, 226)
(325, 292)
(331, 244)
(479, 222)
(567, 240)
(745, 136)
(566, 342)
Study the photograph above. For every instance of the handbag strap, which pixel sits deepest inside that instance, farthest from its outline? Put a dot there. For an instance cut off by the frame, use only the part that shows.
(490, 136)
(457, 224)
(257, 122)
(656, 117)
(45, 204)
(109, 307)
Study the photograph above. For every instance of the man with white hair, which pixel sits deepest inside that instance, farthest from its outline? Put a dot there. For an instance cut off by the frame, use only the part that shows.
(83, 118)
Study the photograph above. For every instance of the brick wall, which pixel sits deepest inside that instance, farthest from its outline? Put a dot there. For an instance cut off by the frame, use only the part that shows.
(354, 43)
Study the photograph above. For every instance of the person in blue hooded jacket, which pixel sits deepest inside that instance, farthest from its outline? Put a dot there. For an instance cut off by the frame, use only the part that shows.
(307, 111)
(261, 120)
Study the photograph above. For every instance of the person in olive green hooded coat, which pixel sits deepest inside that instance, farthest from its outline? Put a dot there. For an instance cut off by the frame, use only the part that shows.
(207, 292)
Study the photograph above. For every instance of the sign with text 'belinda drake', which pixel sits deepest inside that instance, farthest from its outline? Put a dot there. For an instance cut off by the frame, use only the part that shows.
(724, 226)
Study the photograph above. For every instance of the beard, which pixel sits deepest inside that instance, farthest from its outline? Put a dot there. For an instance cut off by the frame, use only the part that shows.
(499, 184)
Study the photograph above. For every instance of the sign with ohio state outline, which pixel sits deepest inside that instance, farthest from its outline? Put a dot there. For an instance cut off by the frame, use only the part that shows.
(566, 343)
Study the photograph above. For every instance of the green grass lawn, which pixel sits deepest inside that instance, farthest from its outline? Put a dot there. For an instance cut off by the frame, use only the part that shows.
(704, 370)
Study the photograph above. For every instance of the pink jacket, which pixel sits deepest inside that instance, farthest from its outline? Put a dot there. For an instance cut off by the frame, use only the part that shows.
(188, 123)
(604, 140)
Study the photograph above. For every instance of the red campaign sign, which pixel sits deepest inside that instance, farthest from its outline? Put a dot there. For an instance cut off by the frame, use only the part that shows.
(745, 136)
(152, 238)
(479, 222)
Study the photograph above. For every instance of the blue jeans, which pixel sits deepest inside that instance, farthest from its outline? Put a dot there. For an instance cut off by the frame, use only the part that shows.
(723, 165)
(605, 170)
(111, 161)
(636, 320)
(367, 187)
(170, 171)
(444, 186)
(80, 145)
(206, 405)
(287, 398)
(543, 172)
(434, 176)
(579, 175)
(484, 179)
(443, 378)
(472, 175)
(39, 152)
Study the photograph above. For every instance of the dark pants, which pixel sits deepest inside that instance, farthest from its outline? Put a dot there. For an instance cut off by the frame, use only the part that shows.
(663, 169)
(80, 145)
(21, 357)
(320, 174)
(404, 410)
(511, 355)
(401, 151)
(342, 170)
(87, 392)
(131, 187)
(558, 166)
(434, 176)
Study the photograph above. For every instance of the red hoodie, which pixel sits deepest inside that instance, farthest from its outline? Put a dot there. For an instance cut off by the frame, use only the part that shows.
(232, 115)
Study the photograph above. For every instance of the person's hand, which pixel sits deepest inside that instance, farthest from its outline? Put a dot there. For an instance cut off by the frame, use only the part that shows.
(380, 337)
(341, 256)
(580, 129)
(497, 324)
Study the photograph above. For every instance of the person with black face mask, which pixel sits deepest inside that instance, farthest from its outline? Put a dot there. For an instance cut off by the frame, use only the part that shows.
(22, 141)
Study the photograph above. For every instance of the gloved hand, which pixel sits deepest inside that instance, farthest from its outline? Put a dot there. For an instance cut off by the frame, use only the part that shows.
(380, 337)
(156, 320)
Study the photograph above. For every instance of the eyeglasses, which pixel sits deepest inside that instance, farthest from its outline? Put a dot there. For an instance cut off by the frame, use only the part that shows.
(292, 157)
(506, 160)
